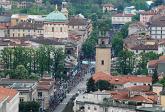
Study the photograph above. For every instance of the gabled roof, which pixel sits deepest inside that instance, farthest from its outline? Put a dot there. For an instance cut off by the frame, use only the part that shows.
(77, 21)
(124, 95)
(2, 97)
(122, 79)
(139, 98)
(139, 88)
(10, 93)
(162, 42)
(148, 12)
(101, 76)
(27, 25)
(145, 47)
(153, 63)
(157, 21)
(45, 84)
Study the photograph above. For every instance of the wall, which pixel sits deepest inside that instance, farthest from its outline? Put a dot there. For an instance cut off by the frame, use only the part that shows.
(121, 20)
(13, 104)
(161, 67)
(145, 18)
(161, 49)
(2, 32)
(60, 30)
(162, 100)
(25, 32)
(157, 32)
(3, 105)
(103, 54)
(157, 89)
(140, 51)
(108, 8)
(98, 108)
(130, 84)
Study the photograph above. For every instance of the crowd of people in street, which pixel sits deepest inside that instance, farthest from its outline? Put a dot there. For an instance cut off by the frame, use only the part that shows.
(63, 87)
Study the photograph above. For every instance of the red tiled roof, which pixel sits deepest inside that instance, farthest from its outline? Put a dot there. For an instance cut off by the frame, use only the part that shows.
(126, 78)
(124, 95)
(139, 88)
(139, 98)
(162, 58)
(121, 79)
(157, 20)
(3, 27)
(160, 8)
(119, 95)
(45, 84)
(148, 13)
(150, 93)
(153, 63)
(8, 92)
(101, 76)
(162, 42)
(145, 47)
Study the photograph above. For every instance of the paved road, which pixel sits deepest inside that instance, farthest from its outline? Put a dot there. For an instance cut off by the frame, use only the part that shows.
(81, 85)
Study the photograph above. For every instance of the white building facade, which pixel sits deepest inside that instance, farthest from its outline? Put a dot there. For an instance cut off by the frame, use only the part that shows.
(121, 18)
(157, 27)
(93, 102)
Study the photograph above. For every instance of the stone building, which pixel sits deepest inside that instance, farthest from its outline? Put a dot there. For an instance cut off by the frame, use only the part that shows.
(24, 29)
(157, 27)
(103, 55)
(55, 25)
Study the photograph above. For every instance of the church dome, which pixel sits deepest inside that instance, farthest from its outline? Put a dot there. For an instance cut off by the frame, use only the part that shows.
(55, 16)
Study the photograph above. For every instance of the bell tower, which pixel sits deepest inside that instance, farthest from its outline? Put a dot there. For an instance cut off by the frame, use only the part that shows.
(103, 54)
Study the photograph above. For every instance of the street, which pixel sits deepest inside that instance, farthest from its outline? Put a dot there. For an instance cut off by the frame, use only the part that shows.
(80, 86)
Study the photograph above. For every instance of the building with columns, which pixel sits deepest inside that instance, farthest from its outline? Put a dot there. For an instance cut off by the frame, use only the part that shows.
(55, 25)
(103, 55)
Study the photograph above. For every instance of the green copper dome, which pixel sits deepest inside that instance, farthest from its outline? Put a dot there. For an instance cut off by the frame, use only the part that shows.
(55, 16)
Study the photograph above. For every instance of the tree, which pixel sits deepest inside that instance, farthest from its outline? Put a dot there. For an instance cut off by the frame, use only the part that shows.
(31, 106)
(126, 62)
(155, 77)
(103, 85)
(44, 58)
(136, 17)
(91, 85)
(7, 58)
(162, 81)
(88, 48)
(104, 25)
(58, 63)
(124, 30)
(20, 73)
(144, 59)
(117, 44)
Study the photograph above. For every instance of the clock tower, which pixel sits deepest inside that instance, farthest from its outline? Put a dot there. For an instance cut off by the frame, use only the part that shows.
(103, 55)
